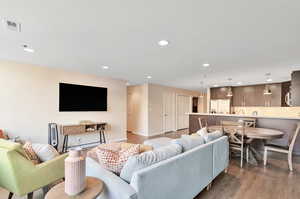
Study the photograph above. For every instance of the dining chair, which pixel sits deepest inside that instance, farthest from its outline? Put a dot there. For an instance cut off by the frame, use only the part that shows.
(236, 134)
(287, 150)
(249, 123)
(202, 122)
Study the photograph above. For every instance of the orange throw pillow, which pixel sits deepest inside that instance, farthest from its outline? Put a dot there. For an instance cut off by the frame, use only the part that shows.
(115, 160)
(2, 135)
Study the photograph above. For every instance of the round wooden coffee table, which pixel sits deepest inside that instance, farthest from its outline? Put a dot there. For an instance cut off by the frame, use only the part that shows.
(94, 188)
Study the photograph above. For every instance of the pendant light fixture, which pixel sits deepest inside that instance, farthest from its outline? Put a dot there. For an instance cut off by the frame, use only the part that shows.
(267, 90)
(229, 91)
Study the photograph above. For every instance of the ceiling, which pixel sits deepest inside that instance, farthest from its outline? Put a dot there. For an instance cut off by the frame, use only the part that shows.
(242, 40)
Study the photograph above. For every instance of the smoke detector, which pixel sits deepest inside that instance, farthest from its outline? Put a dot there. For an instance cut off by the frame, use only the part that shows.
(12, 25)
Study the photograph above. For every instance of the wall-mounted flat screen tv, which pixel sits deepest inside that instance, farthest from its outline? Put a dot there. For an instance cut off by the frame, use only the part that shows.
(82, 98)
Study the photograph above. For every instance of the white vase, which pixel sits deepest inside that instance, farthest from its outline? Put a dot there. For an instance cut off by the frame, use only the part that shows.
(75, 173)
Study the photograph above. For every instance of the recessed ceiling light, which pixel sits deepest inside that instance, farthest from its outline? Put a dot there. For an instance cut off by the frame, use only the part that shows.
(239, 83)
(206, 65)
(149, 77)
(163, 43)
(27, 49)
(269, 80)
(216, 85)
(105, 67)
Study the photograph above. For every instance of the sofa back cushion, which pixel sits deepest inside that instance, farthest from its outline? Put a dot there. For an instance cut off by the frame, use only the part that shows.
(188, 142)
(146, 159)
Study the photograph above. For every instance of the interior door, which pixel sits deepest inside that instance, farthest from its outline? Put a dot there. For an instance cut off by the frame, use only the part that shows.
(168, 112)
(183, 107)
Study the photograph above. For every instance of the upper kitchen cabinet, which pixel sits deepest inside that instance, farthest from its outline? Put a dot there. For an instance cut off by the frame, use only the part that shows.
(219, 93)
(254, 95)
(285, 94)
(295, 88)
(250, 96)
(275, 98)
(238, 98)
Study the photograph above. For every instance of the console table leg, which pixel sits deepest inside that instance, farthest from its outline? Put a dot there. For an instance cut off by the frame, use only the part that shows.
(104, 137)
(64, 143)
(67, 142)
(100, 137)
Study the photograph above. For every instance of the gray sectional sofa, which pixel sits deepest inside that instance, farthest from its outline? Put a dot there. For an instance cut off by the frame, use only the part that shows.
(183, 176)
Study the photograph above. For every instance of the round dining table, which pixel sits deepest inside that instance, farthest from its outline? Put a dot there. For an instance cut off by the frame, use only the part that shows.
(252, 133)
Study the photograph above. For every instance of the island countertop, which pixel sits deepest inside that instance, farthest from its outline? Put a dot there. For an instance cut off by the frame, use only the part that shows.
(249, 116)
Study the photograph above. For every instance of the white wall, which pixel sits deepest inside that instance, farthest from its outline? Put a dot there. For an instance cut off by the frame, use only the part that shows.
(29, 101)
(156, 105)
(137, 109)
(145, 107)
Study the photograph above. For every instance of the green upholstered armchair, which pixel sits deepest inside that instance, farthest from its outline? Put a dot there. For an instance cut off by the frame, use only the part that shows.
(20, 176)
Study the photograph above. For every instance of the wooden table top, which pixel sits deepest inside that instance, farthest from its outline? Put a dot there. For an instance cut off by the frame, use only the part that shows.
(255, 133)
(94, 188)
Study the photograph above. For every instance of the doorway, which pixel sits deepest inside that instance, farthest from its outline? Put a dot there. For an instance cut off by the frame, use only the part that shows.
(195, 102)
(168, 112)
(183, 107)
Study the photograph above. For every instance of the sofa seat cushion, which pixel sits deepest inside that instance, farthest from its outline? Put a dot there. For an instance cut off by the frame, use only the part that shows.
(138, 162)
(45, 152)
(30, 153)
(188, 142)
(158, 142)
(143, 147)
(115, 160)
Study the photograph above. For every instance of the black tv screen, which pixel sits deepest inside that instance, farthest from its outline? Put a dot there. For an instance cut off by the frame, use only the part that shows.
(82, 98)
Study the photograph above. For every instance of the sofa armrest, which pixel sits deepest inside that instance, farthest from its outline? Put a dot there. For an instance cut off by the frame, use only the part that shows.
(114, 186)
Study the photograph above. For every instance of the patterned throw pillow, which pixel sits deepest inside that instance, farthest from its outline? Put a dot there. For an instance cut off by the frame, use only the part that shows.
(115, 160)
(30, 154)
(116, 146)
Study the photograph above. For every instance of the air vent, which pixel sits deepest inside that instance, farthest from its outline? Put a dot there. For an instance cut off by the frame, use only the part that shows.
(12, 25)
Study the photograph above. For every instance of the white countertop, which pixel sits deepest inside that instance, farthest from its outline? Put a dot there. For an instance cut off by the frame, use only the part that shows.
(236, 115)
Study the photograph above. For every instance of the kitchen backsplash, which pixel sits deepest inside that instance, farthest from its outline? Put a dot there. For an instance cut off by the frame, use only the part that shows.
(268, 111)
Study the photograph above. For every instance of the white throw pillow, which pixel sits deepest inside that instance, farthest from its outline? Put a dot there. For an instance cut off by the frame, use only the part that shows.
(188, 142)
(208, 137)
(202, 132)
(45, 152)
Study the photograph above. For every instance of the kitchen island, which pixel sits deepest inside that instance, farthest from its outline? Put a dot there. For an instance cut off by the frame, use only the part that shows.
(285, 124)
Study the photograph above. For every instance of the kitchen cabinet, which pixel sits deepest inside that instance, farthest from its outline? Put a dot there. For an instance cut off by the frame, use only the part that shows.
(219, 93)
(238, 96)
(295, 88)
(254, 95)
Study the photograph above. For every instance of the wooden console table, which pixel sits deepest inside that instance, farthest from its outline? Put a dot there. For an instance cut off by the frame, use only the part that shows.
(80, 129)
